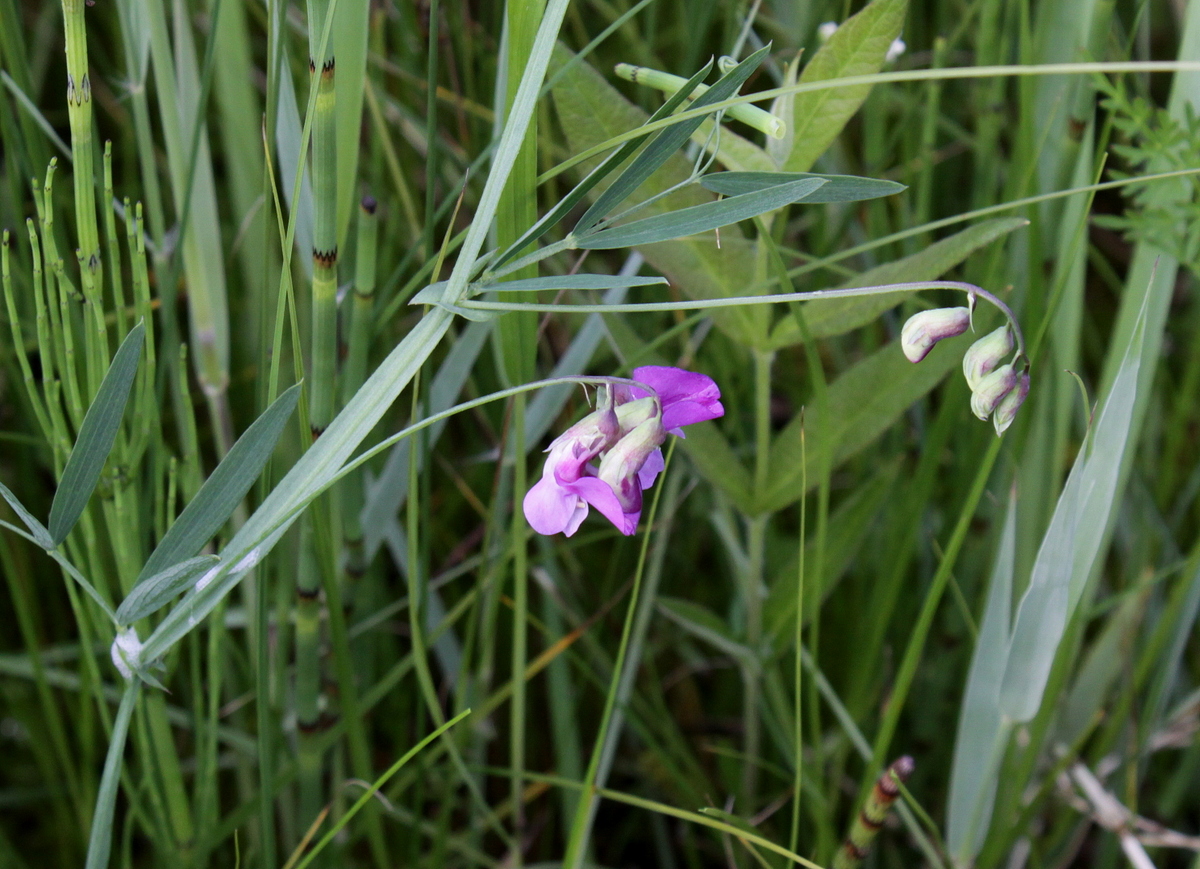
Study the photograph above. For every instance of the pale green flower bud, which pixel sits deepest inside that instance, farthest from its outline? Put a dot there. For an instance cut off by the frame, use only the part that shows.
(985, 354)
(925, 329)
(991, 391)
(1006, 410)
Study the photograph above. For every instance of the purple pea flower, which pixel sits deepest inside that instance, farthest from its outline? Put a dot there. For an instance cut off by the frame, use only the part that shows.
(625, 435)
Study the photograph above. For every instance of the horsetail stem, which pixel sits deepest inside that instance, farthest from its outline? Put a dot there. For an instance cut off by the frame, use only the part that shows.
(324, 185)
(870, 817)
(79, 111)
(359, 327)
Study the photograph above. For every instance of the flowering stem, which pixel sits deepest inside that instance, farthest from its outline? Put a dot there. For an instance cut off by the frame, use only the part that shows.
(738, 301)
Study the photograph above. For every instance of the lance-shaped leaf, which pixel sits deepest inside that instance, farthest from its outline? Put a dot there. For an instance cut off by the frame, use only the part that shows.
(701, 218)
(223, 490)
(838, 188)
(96, 437)
(668, 142)
(36, 528)
(155, 592)
(610, 163)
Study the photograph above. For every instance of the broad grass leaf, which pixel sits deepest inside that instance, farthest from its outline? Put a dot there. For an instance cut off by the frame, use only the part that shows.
(223, 490)
(701, 218)
(837, 188)
(1072, 543)
(982, 731)
(100, 838)
(155, 592)
(827, 318)
(857, 47)
(96, 437)
(860, 405)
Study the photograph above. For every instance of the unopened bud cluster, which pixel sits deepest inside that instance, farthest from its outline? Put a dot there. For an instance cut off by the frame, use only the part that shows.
(998, 388)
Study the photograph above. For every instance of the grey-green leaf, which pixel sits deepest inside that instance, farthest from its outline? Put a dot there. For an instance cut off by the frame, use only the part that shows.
(36, 528)
(668, 142)
(838, 188)
(96, 437)
(224, 489)
(155, 592)
(701, 218)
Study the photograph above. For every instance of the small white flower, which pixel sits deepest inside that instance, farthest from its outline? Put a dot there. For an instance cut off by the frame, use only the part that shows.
(896, 49)
(984, 355)
(826, 30)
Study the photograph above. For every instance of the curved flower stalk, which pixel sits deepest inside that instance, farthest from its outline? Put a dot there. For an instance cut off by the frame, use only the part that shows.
(624, 434)
(998, 388)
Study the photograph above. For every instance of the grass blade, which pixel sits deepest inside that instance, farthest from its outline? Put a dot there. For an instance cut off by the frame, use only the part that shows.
(96, 437)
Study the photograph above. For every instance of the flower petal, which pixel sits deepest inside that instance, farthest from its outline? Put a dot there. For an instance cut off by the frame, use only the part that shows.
(653, 466)
(686, 396)
(551, 508)
(601, 496)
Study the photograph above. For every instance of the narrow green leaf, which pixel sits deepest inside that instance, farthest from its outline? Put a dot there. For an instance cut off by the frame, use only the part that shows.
(857, 47)
(223, 490)
(701, 218)
(838, 188)
(36, 528)
(667, 143)
(96, 437)
(100, 841)
(569, 282)
(826, 318)
(155, 592)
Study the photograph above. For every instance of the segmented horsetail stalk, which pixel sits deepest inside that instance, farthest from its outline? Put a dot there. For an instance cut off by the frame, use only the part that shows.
(358, 327)
(79, 112)
(309, 716)
(324, 185)
(873, 813)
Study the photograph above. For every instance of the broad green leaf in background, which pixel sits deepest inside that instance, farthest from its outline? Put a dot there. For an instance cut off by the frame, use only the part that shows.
(837, 188)
(705, 625)
(847, 530)
(96, 437)
(857, 47)
(700, 218)
(155, 592)
(860, 405)
(223, 490)
(826, 318)
(982, 730)
(1072, 543)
